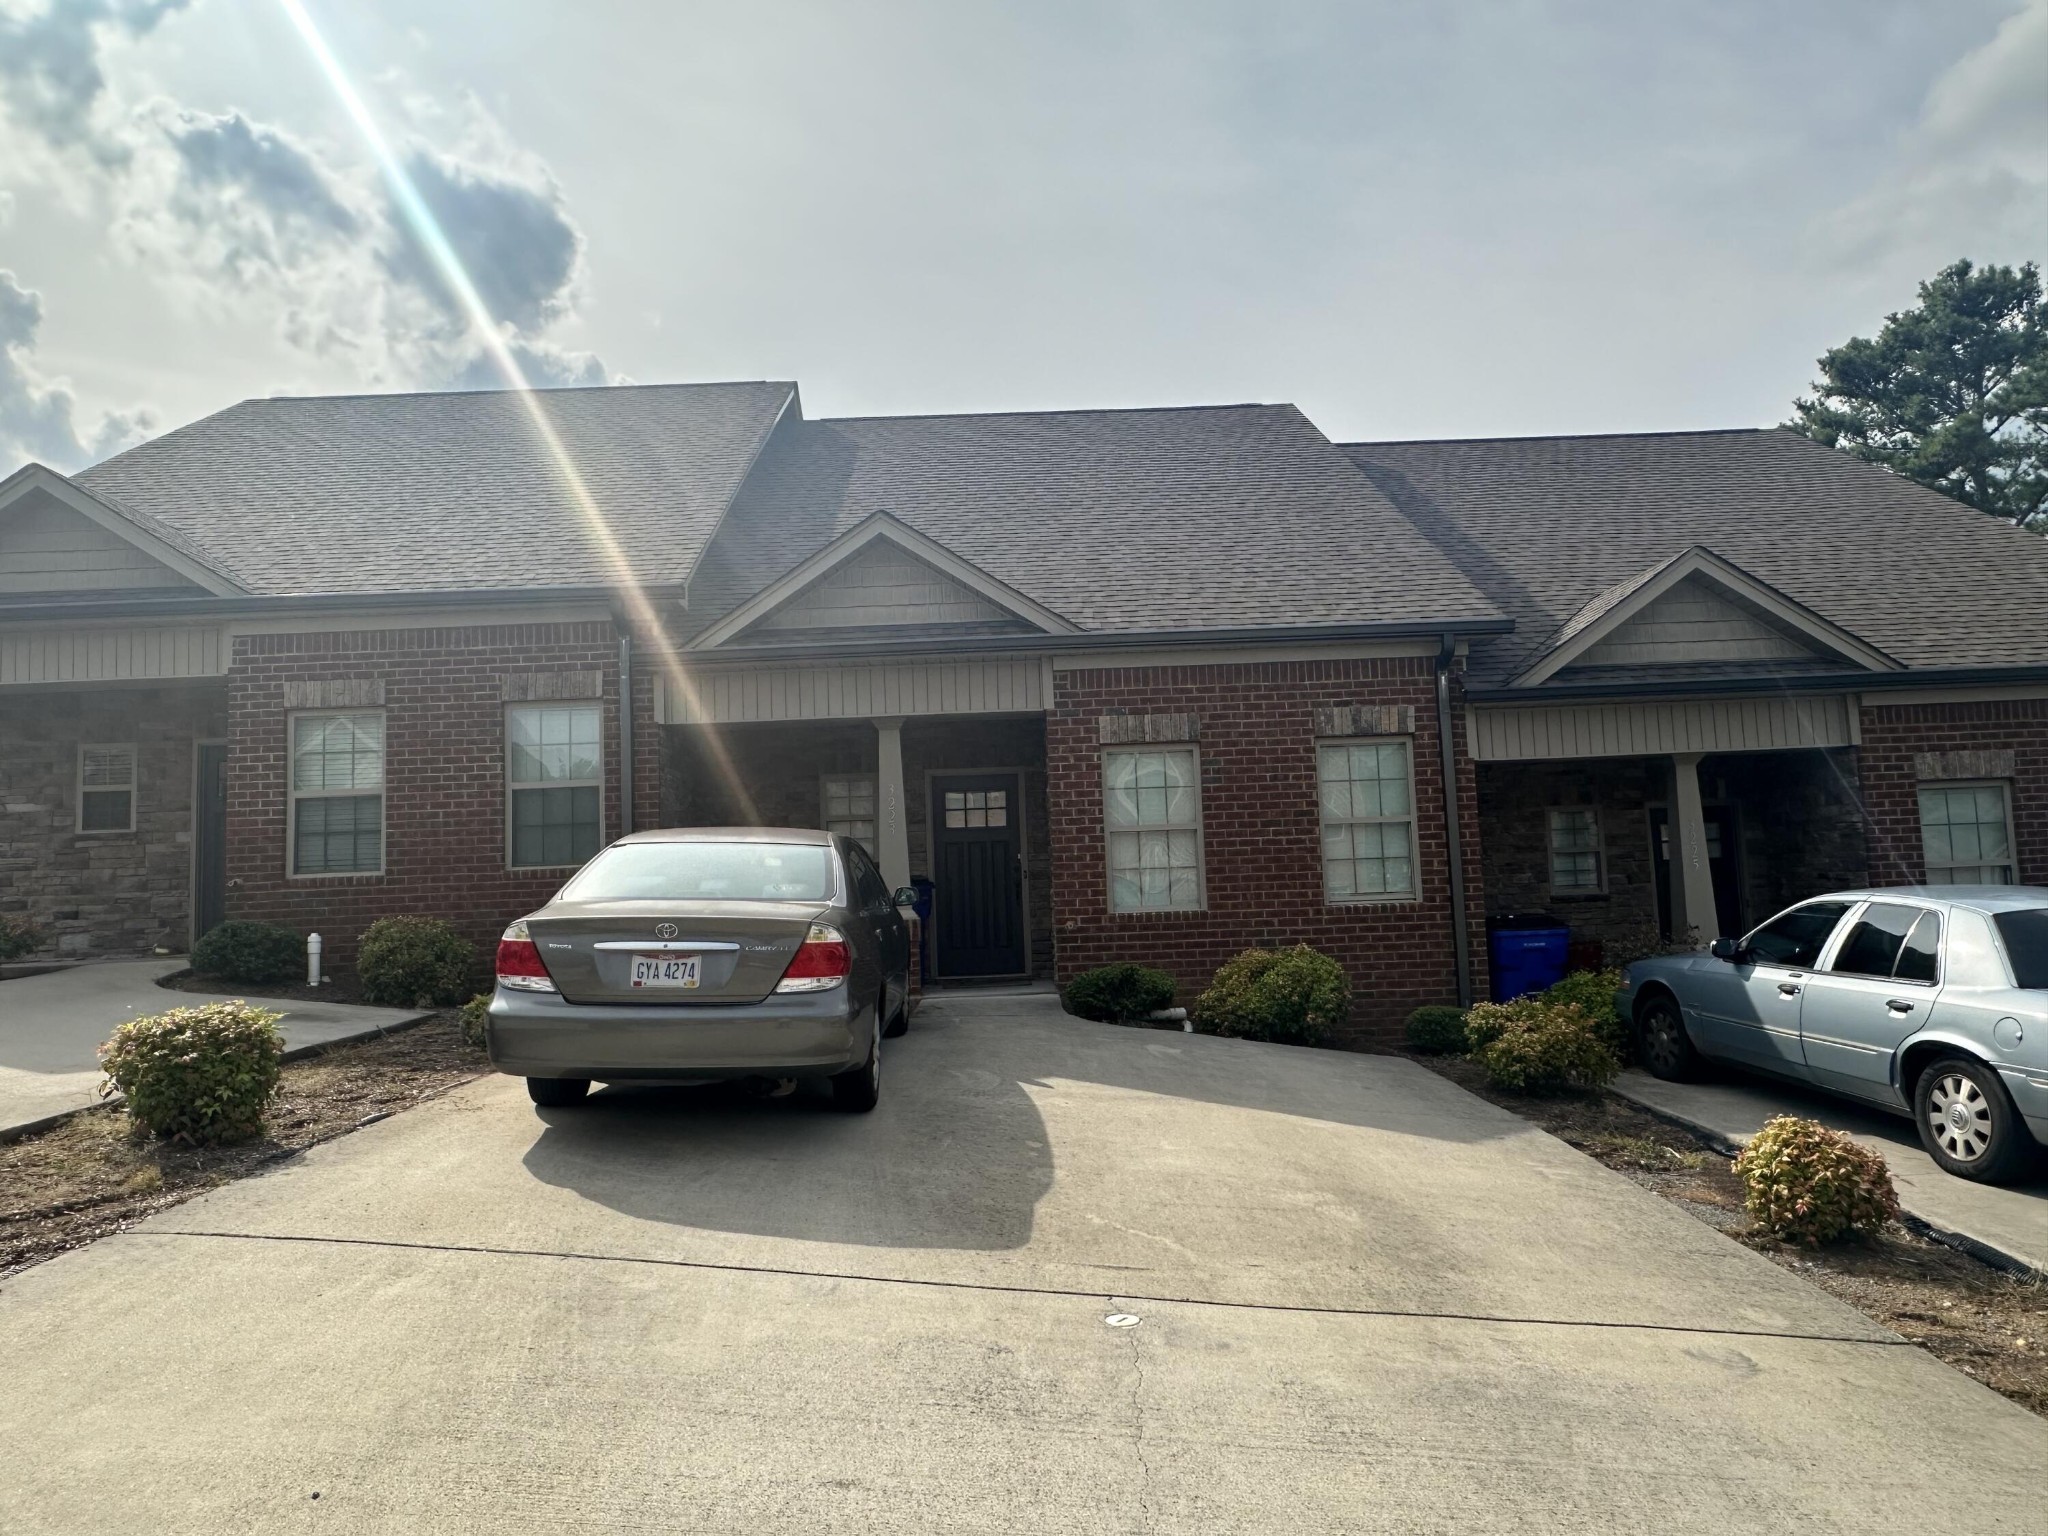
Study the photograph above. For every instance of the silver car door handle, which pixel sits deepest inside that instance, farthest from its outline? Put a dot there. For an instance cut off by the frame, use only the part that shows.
(1788, 989)
(1898, 1005)
(645, 946)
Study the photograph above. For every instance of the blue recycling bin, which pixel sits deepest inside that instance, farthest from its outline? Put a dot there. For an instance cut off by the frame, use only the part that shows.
(1527, 950)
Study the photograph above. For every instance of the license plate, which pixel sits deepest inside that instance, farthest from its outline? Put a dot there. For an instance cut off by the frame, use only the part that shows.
(667, 970)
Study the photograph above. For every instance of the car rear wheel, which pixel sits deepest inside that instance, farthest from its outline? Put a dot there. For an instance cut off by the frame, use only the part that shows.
(1662, 1045)
(557, 1092)
(1967, 1123)
(860, 1090)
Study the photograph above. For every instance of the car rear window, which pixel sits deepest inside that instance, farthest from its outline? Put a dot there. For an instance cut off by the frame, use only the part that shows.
(2026, 945)
(705, 872)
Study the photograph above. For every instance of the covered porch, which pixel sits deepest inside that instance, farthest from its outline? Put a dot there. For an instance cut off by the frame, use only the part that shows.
(1746, 809)
(949, 799)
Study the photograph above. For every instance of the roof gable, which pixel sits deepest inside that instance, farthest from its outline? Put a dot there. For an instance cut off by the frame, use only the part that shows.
(1697, 608)
(58, 539)
(880, 574)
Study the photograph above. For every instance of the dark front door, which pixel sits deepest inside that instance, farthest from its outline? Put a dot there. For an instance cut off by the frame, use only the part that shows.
(1721, 868)
(210, 839)
(978, 903)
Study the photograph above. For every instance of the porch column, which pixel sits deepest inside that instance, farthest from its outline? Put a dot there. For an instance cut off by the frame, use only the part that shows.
(1692, 888)
(891, 829)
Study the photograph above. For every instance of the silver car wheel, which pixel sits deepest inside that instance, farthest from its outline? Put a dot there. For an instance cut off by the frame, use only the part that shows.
(1662, 1042)
(1959, 1117)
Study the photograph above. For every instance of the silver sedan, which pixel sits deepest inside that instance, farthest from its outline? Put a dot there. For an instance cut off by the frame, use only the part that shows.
(695, 955)
(1929, 1001)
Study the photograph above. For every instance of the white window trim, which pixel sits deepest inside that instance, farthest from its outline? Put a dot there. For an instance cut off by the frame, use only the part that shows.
(1412, 820)
(1551, 850)
(1139, 749)
(293, 795)
(134, 788)
(2012, 842)
(825, 818)
(512, 785)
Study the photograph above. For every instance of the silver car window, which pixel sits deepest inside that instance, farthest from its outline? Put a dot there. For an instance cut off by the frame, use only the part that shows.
(1920, 956)
(2025, 934)
(705, 871)
(1795, 938)
(1872, 947)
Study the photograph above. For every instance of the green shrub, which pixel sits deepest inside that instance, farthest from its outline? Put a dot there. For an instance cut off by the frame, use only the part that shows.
(19, 936)
(1593, 993)
(1807, 1184)
(1296, 996)
(1113, 993)
(1487, 1022)
(1541, 1047)
(415, 962)
(259, 953)
(1437, 1030)
(475, 1014)
(202, 1075)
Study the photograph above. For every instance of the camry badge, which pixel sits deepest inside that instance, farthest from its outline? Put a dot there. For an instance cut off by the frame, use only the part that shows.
(664, 930)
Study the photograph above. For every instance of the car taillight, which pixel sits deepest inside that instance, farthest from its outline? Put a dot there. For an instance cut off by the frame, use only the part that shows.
(822, 961)
(519, 963)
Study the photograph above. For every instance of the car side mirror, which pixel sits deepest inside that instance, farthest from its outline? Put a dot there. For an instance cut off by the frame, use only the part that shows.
(1726, 949)
(906, 896)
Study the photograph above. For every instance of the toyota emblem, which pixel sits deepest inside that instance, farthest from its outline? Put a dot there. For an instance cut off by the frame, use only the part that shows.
(664, 930)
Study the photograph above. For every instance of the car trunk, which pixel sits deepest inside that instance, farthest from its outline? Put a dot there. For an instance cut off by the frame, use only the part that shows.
(742, 947)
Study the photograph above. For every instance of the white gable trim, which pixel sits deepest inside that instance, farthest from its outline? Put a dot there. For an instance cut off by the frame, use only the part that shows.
(1702, 562)
(75, 498)
(880, 526)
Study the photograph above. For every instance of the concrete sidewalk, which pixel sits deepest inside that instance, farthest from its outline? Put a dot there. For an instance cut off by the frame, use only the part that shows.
(2010, 1220)
(1367, 1302)
(51, 1027)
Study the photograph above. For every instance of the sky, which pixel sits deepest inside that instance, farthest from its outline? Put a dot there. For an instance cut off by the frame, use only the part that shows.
(1411, 219)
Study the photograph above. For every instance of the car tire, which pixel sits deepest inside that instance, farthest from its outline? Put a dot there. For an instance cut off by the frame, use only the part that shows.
(860, 1090)
(1967, 1121)
(557, 1092)
(900, 1024)
(1662, 1044)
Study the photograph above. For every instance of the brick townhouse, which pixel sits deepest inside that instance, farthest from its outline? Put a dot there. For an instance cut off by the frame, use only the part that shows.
(1138, 684)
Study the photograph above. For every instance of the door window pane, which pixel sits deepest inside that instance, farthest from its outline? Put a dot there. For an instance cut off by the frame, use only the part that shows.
(1797, 938)
(1872, 948)
(1152, 825)
(1918, 960)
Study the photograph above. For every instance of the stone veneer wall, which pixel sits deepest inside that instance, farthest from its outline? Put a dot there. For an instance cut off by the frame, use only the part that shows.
(1514, 805)
(102, 893)
(1262, 846)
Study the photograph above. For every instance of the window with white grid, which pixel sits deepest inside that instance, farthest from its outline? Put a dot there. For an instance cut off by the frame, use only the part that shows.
(1575, 863)
(555, 779)
(337, 794)
(850, 807)
(106, 789)
(1152, 820)
(1367, 797)
(1966, 833)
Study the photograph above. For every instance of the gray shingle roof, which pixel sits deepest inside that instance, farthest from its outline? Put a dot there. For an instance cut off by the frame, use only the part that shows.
(1544, 526)
(396, 493)
(1210, 517)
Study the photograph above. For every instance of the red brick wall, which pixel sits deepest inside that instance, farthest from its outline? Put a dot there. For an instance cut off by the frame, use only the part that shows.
(444, 767)
(1894, 733)
(1261, 833)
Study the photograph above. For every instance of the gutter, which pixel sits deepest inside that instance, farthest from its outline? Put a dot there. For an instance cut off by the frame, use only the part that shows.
(1098, 640)
(1803, 682)
(1454, 843)
(315, 602)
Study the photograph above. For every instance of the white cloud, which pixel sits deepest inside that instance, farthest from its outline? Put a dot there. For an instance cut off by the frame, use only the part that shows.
(229, 212)
(1971, 169)
(38, 415)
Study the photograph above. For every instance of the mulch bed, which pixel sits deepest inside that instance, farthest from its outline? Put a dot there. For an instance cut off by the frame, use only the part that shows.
(90, 1175)
(1986, 1323)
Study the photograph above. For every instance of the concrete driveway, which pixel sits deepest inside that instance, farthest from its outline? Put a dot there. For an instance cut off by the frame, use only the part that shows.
(1367, 1302)
(52, 1026)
